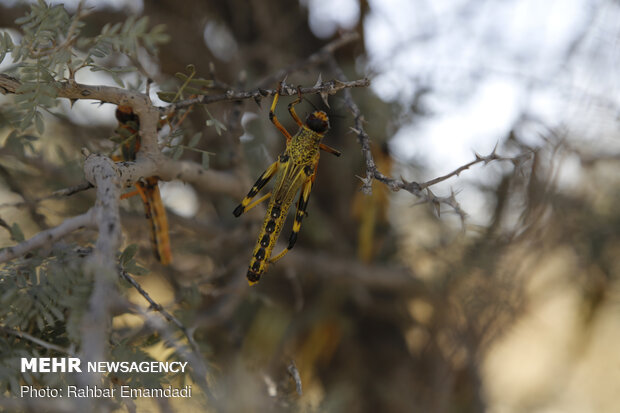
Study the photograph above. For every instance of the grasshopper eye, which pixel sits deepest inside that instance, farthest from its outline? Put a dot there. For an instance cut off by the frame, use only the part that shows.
(318, 122)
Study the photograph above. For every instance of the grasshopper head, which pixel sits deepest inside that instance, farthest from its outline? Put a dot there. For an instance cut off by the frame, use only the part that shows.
(318, 122)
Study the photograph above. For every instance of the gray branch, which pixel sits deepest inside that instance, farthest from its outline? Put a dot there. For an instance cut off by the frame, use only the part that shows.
(49, 236)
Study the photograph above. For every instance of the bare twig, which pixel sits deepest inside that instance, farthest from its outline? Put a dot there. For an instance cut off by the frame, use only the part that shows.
(197, 363)
(292, 369)
(56, 194)
(49, 236)
(158, 307)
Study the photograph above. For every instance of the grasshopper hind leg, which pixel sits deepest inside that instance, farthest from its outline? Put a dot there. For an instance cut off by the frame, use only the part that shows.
(260, 183)
(299, 215)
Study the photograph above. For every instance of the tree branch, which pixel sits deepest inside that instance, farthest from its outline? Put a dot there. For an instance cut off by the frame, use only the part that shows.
(49, 236)
(329, 88)
(38, 341)
(56, 194)
(158, 307)
(102, 173)
(415, 188)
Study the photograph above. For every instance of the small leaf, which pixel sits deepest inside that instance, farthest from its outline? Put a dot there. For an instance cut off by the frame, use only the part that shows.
(181, 76)
(202, 82)
(166, 96)
(128, 254)
(195, 139)
(135, 269)
(38, 122)
(178, 151)
(16, 233)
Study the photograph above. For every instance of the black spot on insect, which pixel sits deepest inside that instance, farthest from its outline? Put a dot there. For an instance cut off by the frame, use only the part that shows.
(271, 226)
(256, 266)
(284, 157)
(260, 254)
(264, 242)
(275, 211)
(253, 276)
(318, 122)
(308, 170)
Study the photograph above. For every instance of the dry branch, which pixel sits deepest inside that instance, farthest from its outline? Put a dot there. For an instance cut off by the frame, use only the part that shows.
(49, 236)
(415, 188)
(329, 88)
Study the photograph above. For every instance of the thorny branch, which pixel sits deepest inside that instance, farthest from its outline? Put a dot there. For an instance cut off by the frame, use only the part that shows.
(158, 307)
(330, 88)
(195, 358)
(415, 188)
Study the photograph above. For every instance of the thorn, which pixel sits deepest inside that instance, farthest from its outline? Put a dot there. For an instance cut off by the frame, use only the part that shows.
(282, 84)
(494, 149)
(434, 202)
(319, 81)
(324, 97)
(257, 99)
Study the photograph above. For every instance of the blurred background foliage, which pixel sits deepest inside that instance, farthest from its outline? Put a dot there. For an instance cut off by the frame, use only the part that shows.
(383, 305)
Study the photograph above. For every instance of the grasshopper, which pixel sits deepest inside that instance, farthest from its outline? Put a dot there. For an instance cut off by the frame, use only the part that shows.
(147, 188)
(295, 170)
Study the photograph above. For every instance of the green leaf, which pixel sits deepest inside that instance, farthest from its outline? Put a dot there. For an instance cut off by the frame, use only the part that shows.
(16, 233)
(135, 269)
(202, 82)
(128, 253)
(38, 122)
(166, 96)
(181, 76)
(178, 151)
(205, 160)
(195, 139)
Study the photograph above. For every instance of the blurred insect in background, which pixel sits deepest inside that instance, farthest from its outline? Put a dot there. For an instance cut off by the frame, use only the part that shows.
(147, 188)
(295, 170)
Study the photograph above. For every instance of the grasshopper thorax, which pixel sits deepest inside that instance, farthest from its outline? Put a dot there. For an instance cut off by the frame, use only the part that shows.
(318, 122)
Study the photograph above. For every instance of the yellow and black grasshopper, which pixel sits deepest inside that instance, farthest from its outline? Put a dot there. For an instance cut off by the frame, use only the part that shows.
(294, 170)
